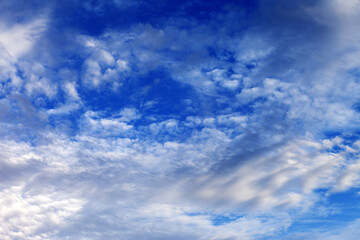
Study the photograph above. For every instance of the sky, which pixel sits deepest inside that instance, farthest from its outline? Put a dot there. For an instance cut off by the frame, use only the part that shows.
(159, 120)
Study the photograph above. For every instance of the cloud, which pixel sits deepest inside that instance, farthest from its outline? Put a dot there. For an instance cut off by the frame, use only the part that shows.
(277, 176)
(349, 231)
(18, 39)
(65, 109)
(32, 216)
(70, 89)
(171, 187)
(128, 114)
(203, 121)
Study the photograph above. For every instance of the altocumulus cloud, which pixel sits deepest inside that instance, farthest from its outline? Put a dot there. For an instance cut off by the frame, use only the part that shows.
(179, 119)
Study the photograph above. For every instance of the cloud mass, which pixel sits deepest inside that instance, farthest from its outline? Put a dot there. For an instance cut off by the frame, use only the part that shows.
(179, 120)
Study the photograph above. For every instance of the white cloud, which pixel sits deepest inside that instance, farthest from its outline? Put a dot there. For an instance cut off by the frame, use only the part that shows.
(18, 39)
(93, 123)
(13, 153)
(104, 57)
(349, 231)
(100, 68)
(39, 85)
(170, 177)
(349, 177)
(128, 114)
(348, 8)
(283, 177)
(92, 74)
(158, 185)
(122, 65)
(8, 72)
(231, 84)
(33, 216)
(114, 124)
(70, 89)
(64, 109)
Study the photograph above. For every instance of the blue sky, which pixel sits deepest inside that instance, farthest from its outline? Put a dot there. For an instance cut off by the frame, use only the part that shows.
(179, 120)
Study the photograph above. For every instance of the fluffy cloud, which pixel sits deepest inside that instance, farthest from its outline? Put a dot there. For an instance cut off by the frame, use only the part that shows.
(18, 39)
